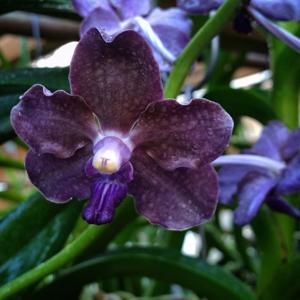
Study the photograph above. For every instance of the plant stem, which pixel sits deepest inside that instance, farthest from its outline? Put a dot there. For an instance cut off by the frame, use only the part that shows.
(202, 38)
(11, 163)
(73, 250)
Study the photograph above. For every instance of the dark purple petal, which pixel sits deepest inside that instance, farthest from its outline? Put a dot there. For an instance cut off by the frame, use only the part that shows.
(132, 8)
(199, 6)
(251, 196)
(117, 79)
(282, 10)
(292, 145)
(290, 178)
(291, 40)
(107, 194)
(183, 135)
(179, 199)
(280, 205)
(60, 179)
(85, 7)
(56, 123)
(271, 141)
(229, 179)
(103, 19)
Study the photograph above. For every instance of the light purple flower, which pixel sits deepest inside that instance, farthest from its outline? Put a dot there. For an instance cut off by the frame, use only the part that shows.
(166, 30)
(256, 185)
(115, 134)
(260, 10)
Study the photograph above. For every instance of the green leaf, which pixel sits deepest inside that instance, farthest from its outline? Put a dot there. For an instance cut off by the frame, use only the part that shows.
(14, 83)
(61, 8)
(238, 103)
(31, 233)
(206, 280)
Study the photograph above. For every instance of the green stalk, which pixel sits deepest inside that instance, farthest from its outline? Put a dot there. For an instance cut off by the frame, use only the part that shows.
(91, 235)
(11, 163)
(202, 38)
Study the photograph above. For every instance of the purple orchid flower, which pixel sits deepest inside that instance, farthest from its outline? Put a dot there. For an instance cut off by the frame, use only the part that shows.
(260, 10)
(263, 174)
(115, 134)
(166, 30)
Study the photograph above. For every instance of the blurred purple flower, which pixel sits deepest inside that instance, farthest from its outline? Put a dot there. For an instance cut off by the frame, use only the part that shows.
(166, 30)
(260, 10)
(263, 174)
(115, 134)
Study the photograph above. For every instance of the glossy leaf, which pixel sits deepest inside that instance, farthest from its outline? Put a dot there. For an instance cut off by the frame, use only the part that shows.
(206, 280)
(238, 103)
(32, 232)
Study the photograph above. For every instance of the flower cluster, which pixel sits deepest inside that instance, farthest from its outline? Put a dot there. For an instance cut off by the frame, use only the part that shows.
(166, 30)
(115, 134)
(257, 183)
(260, 11)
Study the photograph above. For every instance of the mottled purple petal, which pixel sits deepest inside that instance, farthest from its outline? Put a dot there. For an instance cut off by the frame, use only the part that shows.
(251, 196)
(282, 10)
(183, 135)
(117, 79)
(85, 7)
(56, 123)
(132, 8)
(290, 178)
(179, 199)
(280, 205)
(291, 40)
(103, 19)
(107, 194)
(229, 179)
(292, 145)
(199, 6)
(60, 179)
(271, 141)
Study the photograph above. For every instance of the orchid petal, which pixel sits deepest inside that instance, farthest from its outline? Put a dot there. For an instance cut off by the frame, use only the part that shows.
(60, 179)
(117, 79)
(56, 123)
(179, 199)
(183, 135)
(132, 8)
(290, 178)
(199, 6)
(85, 7)
(103, 19)
(252, 195)
(282, 10)
(278, 204)
(291, 40)
(271, 141)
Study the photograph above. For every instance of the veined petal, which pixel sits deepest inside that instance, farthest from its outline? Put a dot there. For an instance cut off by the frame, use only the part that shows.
(60, 179)
(177, 200)
(199, 6)
(177, 135)
(56, 123)
(290, 178)
(103, 19)
(132, 8)
(271, 141)
(282, 10)
(107, 193)
(85, 7)
(252, 194)
(291, 40)
(117, 79)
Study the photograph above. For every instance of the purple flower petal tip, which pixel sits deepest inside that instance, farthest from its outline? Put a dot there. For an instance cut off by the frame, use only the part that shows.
(199, 6)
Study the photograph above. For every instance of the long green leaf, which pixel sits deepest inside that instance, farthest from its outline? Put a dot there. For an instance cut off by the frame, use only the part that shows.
(31, 233)
(207, 281)
(240, 102)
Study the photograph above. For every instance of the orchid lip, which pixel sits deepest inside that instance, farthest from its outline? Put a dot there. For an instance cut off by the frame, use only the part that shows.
(250, 160)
